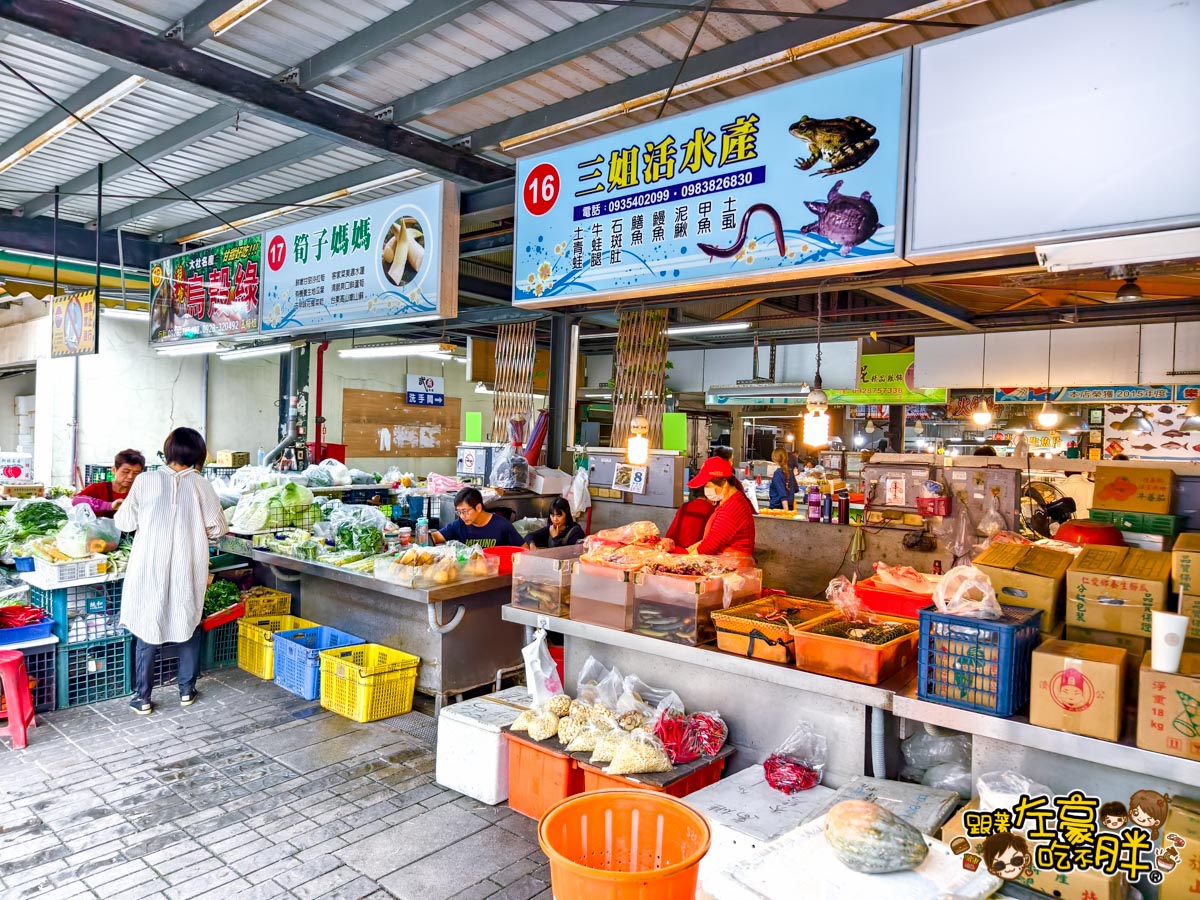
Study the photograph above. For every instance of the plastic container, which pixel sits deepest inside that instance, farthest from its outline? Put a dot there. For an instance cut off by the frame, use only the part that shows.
(221, 646)
(422, 532)
(849, 660)
(557, 563)
(505, 555)
(678, 783)
(24, 563)
(264, 601)
(624, 845)
(23, 633)
(256, 643)
(368, 681)
(758, 629)
(602, 596)
(93, 671)
(224, 617)
(978, 664)
(858, 509)
(298, 657)
(539, 776)
(548, 596)
(885, 598)
(472, 755)
(75, 570)
(82, 613)
(679, 608)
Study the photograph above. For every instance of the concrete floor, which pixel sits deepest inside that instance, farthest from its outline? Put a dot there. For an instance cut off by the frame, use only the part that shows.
(250, 793)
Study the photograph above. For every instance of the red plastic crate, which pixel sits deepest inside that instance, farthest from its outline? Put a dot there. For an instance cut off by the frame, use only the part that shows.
(595, 779)
(893, 601)
(538, 777)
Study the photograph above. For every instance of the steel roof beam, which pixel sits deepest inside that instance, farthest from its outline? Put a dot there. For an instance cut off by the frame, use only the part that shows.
(192, 30)
(87, 94)
(72, 29)
(416, 19)
(932, 307)
(564, 46)
(77, 242)
(204, 125)
(765, 43)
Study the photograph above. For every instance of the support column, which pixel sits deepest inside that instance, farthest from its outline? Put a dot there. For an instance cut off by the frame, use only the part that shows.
(896, 421)
(564, 362)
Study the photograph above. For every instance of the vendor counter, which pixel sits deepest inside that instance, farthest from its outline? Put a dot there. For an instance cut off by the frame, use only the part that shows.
(456, 630)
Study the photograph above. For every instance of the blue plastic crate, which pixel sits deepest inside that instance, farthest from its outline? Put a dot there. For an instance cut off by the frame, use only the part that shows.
(93, 671)
(298, 657)
(221, 645)
(24, 633)
(24, 563)
(977, 664)
(82, 613)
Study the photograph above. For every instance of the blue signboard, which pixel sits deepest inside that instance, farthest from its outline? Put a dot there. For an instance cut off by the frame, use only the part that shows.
(1146, 393)
(798, 177)
(382, 261)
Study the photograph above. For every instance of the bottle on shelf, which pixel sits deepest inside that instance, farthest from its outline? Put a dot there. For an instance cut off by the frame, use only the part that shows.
(814, 504)
(422, 532)
(262, 456)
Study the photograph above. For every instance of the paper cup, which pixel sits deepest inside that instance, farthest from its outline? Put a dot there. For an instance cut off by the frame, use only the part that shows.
(1167, 634)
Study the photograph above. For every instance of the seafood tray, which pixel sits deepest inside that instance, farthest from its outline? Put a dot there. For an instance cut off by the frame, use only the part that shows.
(760, 629)
(547, 596)
(678, 623)
(851, 659)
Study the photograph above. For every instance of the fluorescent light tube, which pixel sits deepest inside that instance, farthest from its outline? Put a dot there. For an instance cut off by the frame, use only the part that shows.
(117, 312)
(236, 13)
(385, 350)
(710, 328)
(251, 352)
(189, 349)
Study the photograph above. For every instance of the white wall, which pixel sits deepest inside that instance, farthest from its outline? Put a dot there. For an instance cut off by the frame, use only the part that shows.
(10, 388)
(243, 410)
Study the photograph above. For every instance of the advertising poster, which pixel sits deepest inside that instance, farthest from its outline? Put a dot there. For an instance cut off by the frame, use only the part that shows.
(1146, 393)
(73, 324)
(752, 190)
(206, 294)
(384, 261)
(887, 378)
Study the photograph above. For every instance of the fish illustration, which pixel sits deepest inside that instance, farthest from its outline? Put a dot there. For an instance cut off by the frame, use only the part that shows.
(1166, 421)
(1173, 445)
(1166, 409)
(1173, 433)
(1196, 447)
(1118, 410)
(1143, 447)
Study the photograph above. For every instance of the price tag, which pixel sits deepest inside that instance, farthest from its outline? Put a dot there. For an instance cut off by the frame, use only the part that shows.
(543, 622)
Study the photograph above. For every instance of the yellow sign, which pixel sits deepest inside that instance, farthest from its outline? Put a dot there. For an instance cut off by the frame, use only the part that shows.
(73, 324)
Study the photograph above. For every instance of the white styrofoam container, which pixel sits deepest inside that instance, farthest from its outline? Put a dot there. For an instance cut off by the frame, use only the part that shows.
(925, 808)
(472, 755)
(744, 814)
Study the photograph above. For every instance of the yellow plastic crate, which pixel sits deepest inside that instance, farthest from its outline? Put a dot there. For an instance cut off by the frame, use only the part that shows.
(264, 601)
(256, 642)
(368, 681)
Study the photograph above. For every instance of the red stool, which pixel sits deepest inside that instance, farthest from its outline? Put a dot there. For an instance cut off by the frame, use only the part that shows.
(18, 699)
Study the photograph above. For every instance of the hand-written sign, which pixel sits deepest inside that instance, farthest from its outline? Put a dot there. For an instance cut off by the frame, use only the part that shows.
(383, 424)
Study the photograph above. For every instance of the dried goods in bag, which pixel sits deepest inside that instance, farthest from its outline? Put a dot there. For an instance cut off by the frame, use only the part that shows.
(641, 754)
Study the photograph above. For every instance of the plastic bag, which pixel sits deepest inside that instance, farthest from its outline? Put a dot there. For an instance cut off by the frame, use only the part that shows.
(633, 533)
(607, 744)
(924, 750)
(957, 532)
(105, 530)
(337, 472)
(642, 754)
(798, 763)
(527, 526)
(584, 739)
(608, 692)
(844, 597)
(906, 578)
(318, 476)
(587, 685)
(706, 732)
(543, 725)
(569, 729)
(967, 591)
(953, 776)
(504, 470)
(358, 476)
(1004, 789)
(579, 498)
(541, 675)
(991, 522)
(671, 728)
(248, 479)
(637, 696)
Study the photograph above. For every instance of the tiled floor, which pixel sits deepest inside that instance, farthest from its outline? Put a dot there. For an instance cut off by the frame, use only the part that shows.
(251, 793)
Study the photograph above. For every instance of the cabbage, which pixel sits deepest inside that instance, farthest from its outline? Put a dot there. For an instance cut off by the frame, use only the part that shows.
(295, 496)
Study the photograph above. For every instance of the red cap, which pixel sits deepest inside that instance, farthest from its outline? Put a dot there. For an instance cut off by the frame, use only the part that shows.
(714, 467)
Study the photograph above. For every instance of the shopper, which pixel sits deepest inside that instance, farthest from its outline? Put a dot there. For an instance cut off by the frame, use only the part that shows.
(561, 528)
(106, 497)
(475, 525)
(783, 482)
(175, 513)
(730, 529)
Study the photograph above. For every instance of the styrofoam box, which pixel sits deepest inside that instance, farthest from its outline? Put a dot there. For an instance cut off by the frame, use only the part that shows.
(472, 757)
(925, 808)
(23, 406)
(745, 813)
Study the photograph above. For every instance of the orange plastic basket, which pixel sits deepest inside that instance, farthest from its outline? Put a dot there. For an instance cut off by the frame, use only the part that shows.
(853, 660)
(624, 845)
(538, 777)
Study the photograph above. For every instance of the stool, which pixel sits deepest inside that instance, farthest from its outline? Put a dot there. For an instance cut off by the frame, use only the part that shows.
(15, 681)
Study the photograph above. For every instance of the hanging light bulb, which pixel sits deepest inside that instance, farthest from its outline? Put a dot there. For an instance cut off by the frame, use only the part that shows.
(870, 427)
(1048, 416)
(1019, 422)
(638, 451)
(982, 414)
(1072, 423)
(816, 429)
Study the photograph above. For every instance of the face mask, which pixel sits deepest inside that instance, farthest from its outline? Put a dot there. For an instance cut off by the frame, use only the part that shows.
(711, 494)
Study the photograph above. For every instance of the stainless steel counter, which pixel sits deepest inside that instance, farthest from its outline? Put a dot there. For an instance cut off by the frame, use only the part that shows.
(457, 630)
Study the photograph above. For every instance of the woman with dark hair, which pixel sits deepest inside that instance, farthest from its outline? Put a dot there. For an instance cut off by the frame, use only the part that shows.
(729, 531)
(561, 528)
(175, 513)
(106, 497)
(475, 525)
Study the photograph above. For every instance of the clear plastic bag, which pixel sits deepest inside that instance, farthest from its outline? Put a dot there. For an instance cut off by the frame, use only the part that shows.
(905, 577)
(842, 593)
(607, 744)
(337, 471)
(587, 685)
(671, 728)
(991, 522)
(637, 696)
(1003, 789)
(608, 692)
(951, 776)
(642, 754)
(957, 532)
(968, 592)
(706, 732)
(541, 675)
(318, 476)
(924, 750)
(798, 763)
(504, 470)
(543, 725)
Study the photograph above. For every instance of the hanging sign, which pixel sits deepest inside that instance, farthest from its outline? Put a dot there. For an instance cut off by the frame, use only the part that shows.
(1146, 393)
(629, 479)
(208, 293)
(887, 378)
(385, 261)
(426, 390)
(759, 189)
(73, 324)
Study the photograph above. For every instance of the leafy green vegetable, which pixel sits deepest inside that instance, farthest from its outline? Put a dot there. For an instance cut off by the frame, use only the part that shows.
(363, 538)
(220, 595)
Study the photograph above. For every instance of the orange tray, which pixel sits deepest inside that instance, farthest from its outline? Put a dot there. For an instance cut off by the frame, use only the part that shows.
(679, 782)
(743, 630)
(853, 660)
(539, 776)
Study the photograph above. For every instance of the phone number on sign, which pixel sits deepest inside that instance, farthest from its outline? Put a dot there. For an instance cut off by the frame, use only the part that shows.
(659, 196)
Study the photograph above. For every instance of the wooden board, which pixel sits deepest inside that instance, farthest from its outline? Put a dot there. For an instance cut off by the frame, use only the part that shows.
(481, 365)
(412, 430)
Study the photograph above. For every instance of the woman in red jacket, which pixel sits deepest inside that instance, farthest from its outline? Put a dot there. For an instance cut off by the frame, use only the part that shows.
(729, 531)
(106, 497)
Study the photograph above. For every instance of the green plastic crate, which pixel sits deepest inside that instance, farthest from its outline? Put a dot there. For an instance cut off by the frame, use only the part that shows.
(93, 671)
(221, 646)
(1161, 524)
(1108, 516)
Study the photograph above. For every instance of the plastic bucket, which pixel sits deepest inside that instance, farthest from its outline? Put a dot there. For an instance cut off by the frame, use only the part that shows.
(623, 845)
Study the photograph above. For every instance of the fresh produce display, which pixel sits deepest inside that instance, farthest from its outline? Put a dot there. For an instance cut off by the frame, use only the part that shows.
(219, 596)
(642, 753)
(31, 518)
(789, 776)
(707, 730)
(865, 632)
(672, 729)
(118, 560)
(867, 838)
(364, 538)
(340, 558)
(273, 507)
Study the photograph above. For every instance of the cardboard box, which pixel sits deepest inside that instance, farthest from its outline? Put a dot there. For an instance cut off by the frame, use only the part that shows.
(1185, 564)
(1189, 605)
(1169, 708)
(1116, 588)
(544, 480)
(1183, 819)
(1032, 577)
(1134, 488)
(232, 458)
(1078, 688)
(1134, 645)
(1085, 884)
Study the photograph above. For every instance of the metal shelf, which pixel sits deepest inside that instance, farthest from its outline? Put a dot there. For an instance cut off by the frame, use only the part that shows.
(710, 658)
(1018, 730)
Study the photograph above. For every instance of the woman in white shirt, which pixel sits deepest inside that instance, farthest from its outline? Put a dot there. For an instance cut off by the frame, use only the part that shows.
(175, 513)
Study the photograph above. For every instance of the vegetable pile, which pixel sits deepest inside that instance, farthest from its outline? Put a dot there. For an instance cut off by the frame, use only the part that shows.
(219, 596)
(35, 518)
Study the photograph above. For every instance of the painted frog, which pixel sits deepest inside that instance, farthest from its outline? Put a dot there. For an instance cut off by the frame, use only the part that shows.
(843, 143)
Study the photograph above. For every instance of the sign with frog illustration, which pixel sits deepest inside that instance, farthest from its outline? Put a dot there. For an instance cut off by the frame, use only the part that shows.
(382, 261)
(805, 176)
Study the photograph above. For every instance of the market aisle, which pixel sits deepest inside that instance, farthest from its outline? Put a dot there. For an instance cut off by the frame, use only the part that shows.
(251, 793)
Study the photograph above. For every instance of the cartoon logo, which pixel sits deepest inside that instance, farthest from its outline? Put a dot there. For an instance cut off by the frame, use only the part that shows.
(1072, 690)
(1148, 809)
(1006, 855)
(1113, 816)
